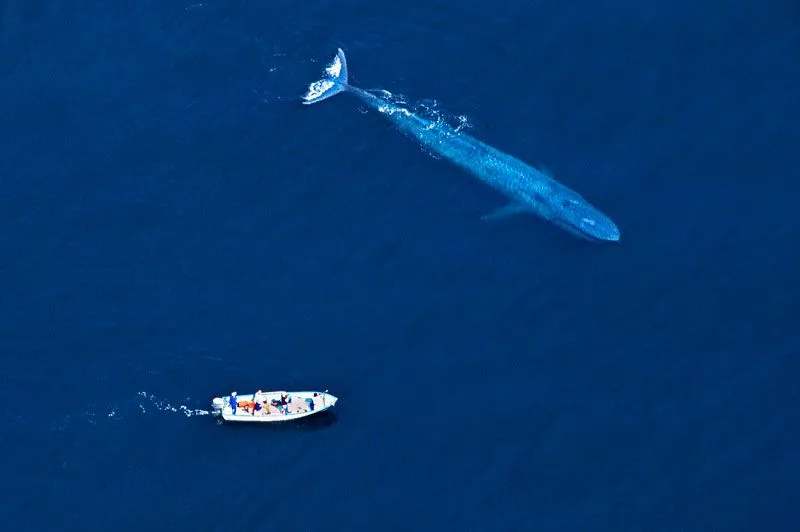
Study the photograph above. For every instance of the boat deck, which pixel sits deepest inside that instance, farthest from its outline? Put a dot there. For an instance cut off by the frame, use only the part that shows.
(297, 405)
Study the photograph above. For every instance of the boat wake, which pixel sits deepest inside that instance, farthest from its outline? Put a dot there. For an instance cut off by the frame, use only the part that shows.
(162, 405)
(145, 405)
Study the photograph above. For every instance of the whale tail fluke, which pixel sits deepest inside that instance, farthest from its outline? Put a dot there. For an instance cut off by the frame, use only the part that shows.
(333, 82)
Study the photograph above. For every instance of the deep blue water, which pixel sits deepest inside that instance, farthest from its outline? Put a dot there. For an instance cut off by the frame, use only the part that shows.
(175, 225)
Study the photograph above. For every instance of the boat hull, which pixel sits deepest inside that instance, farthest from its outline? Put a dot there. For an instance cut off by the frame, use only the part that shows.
(275, 406)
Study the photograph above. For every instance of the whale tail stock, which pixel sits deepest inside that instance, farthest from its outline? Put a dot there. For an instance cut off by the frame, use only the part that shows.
(332, 83)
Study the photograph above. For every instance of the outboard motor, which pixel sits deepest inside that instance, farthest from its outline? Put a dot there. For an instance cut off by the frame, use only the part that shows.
(216, 406)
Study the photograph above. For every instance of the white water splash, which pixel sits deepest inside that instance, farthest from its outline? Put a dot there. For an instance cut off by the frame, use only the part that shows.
(463, 123)
(391, 109)
(428, 109)
(166, 406)
(145, 405)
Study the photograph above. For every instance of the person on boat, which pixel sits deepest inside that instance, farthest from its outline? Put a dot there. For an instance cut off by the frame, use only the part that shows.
(257, 407)
(283, 403)
(233, 402)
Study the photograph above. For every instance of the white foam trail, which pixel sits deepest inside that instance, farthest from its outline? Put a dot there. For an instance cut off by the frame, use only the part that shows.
(166, 406)
(429, 109)
(146, 405)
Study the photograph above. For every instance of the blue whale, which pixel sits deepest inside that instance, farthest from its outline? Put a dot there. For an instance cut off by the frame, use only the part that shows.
(529, 189)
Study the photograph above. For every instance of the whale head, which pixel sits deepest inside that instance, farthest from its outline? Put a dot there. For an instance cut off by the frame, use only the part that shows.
(577, 216)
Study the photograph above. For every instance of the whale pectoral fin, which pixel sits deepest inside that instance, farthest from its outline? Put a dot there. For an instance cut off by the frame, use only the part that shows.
(508, 210)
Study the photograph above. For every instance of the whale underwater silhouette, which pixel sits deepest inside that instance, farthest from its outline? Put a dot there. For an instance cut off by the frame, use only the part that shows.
(530, 190)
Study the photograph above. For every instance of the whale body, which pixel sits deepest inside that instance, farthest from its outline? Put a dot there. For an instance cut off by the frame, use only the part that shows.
(529, 189)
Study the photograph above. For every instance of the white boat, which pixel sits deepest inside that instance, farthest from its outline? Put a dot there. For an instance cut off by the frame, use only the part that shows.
(269, 407)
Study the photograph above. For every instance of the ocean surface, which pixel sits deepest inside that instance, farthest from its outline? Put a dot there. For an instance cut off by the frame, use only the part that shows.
(175, 225)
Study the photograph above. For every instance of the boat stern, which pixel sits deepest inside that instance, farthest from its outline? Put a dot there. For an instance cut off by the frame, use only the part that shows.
(217, 404)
